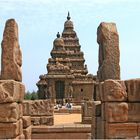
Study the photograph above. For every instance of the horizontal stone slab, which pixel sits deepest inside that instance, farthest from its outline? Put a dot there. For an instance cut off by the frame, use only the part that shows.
(11, 91)
(38, 108)
(112, 90)
(121, 130)
(133, 89)
(11, 130)
(10, 112)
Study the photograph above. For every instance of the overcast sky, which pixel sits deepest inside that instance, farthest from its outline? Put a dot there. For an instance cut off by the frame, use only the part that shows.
(40, 20)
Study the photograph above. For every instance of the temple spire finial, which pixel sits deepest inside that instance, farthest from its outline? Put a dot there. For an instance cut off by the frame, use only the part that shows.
(68, 17)
(58, 35)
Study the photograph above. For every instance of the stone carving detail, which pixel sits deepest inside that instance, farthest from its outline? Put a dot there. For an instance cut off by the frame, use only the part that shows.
(133, 89)
(42, 87)
(41, 108)
(10, 112)
(11, 91)
(113, 90)
(109, 55)
(10, 130)
(11, 54)
(120, 131)
(38, 108)
(116, 112)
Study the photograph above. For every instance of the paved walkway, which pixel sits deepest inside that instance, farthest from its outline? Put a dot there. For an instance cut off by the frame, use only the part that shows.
(66, 118)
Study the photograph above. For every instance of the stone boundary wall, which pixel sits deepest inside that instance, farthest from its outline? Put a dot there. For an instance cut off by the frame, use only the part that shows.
(11, 112)
(120, 115)
(40, 111)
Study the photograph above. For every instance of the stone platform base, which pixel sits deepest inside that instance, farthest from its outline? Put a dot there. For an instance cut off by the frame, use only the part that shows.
(69, 131)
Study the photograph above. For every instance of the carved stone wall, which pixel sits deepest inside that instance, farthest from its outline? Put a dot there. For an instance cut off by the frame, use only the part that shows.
(120, 115)
(11, 97)
(41, 111)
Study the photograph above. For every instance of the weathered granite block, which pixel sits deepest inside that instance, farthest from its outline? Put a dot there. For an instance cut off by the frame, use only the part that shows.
(121, 130)
(27, 132)
(46, 120)
(134, 112)
(10, 130)
(11, 53)
(11, 91)
(10, 112)
(35, 120)
(38, 108)
(26, 108)
(109, 54)
(121, 112)
(26, 121)
(112, 90)
(133, 89)
(115, 112)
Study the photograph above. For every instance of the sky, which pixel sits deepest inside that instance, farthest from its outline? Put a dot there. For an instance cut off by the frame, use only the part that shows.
(40, 20)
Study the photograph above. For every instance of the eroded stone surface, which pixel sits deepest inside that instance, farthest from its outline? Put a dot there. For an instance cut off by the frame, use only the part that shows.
(121, 130)
(115, 112)
(134, 112)
(27, 132)
(38, 108)
(113, 90)
(11, 54)
(26, 121)
(10, 130)
(133, 89)
(109, 54)
(11, 91)
(46, 120)
(10, 112)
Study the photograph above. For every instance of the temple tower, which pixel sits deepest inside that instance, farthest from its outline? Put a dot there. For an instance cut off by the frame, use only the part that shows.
(67, 74)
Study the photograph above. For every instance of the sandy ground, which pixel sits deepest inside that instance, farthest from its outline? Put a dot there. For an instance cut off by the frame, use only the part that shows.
(66, 118)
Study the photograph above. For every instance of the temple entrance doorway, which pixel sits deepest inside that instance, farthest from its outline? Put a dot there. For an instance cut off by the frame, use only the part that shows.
(59, 90)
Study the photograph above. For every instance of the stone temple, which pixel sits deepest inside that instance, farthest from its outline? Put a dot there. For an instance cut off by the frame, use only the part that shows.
(67, 76)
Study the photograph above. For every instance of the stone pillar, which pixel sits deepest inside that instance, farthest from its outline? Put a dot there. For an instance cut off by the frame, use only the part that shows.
(109, 54)
(11, 89)
(11, 59)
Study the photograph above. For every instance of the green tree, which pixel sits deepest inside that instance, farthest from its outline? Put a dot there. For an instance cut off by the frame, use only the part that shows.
(31, 95)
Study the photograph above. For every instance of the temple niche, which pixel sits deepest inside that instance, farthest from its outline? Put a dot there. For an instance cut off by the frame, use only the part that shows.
(67, 77)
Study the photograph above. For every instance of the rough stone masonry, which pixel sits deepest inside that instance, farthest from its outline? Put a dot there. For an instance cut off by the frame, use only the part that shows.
(11, 89)
(11, 55)
(109, 54)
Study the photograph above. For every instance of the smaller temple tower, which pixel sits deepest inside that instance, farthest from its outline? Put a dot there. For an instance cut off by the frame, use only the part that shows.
(67, 77)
